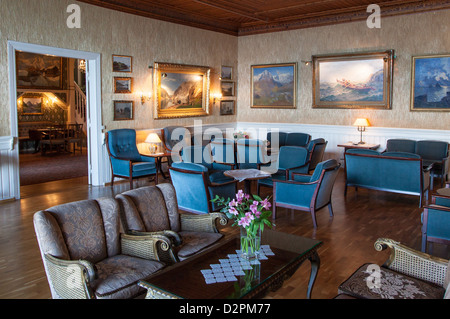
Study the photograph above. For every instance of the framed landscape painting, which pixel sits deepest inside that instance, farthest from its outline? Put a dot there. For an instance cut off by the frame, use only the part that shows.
(357, 80)
(122, 85)
(123, 110)
(430, 83)
(32, 105)
(181, 90)
(274, 85)
(37, 71)
(122, 63)
(227, 107)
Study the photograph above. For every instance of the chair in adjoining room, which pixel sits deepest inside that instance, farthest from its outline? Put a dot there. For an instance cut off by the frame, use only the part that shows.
(436, 222)
(290, 159)
(75, 137)
(86, 256)
(171, 136)
(126, 162)
(153, 211)
(307, 192)
(53, 140)
(406, 274)
(250, 153)
(195, 189)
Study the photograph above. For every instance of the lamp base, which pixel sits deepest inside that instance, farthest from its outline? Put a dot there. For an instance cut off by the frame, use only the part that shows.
(361, 142)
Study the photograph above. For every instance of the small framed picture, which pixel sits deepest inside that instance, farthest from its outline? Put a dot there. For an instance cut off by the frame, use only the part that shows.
(226, 73)
(122, 85)
(227, 88)
(122, 63)
(227, 107)
(123, 110)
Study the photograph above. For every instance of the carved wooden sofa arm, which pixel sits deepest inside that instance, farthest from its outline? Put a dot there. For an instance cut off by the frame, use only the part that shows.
(412, 262)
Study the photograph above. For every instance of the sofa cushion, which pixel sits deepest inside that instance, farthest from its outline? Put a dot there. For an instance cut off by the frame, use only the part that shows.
(193, 242)
(118, 276)
(393, 285)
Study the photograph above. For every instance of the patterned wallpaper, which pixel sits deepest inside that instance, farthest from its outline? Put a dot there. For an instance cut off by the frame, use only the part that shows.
(409, 35)
(149, 41)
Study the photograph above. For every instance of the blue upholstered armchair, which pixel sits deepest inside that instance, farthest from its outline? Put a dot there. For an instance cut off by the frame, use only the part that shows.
(251, 153)
(307, 192)
(195, 188)
(126, 162)
(290, 159)
(436, 222)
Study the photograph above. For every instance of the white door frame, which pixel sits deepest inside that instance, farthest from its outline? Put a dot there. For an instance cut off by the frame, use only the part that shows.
(94, 110)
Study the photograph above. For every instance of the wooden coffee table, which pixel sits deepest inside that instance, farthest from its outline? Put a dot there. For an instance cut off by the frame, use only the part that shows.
(185, 280)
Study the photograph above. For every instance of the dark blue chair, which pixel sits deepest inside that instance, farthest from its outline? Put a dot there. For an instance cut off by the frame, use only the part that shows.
(250, 153)
(436, 222)
(223, 152)
(316, 149)
(434, 153)
(126, 162)
(277, 138)
(307, 192)
(290, 159)
(400, 145)
(297, 139)
(195, 189)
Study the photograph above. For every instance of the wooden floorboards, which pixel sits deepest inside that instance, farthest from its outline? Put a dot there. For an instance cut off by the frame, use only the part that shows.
(348, 237)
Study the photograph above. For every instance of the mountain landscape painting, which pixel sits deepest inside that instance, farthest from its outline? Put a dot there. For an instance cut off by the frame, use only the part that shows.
(38, 71)
(274, 86)
(181, 91)
(352, 81)
(431, 83)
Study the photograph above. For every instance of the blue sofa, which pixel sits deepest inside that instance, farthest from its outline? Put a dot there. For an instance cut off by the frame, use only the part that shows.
(397, 172)
(431, 152)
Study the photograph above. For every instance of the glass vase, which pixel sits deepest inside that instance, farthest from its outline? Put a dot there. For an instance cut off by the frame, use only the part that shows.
(250, 244)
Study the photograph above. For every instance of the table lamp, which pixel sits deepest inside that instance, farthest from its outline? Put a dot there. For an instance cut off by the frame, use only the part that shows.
(361, 124)
(153, 139)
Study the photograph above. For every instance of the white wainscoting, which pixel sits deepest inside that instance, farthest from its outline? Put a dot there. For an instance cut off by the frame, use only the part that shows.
(334, 134)
(337, 134)
(7, 187)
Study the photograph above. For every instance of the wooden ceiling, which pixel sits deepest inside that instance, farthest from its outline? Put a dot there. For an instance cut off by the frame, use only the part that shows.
(245, 17)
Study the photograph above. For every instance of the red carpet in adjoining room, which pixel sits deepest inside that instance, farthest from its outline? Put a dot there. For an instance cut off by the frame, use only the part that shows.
(35, 169)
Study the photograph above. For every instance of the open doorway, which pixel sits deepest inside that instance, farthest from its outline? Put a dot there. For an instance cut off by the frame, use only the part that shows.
(40, 97)
(51, 111)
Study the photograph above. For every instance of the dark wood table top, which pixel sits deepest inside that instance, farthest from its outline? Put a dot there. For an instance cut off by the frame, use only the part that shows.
(186, 280)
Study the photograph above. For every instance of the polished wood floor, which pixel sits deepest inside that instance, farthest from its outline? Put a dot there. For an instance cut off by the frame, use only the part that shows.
(359, 219)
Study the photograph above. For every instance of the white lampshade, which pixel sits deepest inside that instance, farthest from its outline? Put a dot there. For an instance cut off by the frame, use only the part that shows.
(361, 122)
(153, 138)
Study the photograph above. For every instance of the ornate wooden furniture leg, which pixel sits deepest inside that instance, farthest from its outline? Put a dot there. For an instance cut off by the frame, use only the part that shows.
(315, 264)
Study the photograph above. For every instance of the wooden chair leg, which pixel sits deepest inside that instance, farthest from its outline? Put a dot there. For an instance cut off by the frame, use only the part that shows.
(131, 182)
(313, 215)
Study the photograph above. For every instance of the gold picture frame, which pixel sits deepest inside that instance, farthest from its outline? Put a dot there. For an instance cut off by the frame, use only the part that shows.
(353, 80)
(274, 86)
(429, 78)
(181, 90)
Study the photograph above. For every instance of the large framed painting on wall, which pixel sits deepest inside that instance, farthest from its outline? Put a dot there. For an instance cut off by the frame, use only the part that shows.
(430, 83)
(356, 80)
(181, 90)
(274, 86)
(37, 71)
